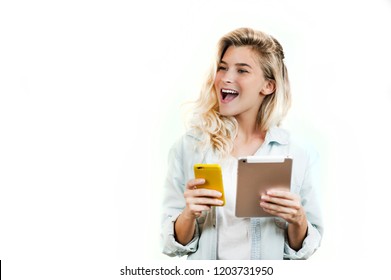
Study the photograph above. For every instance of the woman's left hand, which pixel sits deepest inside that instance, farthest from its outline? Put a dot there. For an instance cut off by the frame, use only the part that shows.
(285, 205)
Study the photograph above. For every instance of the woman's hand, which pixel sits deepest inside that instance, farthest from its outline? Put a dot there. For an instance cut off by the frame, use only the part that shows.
(199, 199)
(287, 205)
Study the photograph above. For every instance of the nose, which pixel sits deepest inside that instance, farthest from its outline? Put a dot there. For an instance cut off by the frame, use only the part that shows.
(228, 77)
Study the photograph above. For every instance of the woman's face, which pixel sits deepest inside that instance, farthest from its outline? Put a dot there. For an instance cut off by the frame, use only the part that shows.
(240, 84)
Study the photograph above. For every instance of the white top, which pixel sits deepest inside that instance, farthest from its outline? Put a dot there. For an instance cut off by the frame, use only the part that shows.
(233, 234)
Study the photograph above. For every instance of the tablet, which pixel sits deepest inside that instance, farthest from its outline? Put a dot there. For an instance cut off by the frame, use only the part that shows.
(256, 175)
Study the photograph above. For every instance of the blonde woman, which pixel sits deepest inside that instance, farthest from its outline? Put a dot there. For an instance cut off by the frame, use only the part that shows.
(238, 113)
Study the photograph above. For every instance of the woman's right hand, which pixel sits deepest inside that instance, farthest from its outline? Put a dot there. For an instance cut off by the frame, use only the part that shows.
(199, 199)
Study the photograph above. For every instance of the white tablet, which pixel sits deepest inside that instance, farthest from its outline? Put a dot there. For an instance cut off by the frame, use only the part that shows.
(256, 175)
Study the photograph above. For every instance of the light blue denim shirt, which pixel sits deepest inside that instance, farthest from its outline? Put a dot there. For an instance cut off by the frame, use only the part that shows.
(268, 235)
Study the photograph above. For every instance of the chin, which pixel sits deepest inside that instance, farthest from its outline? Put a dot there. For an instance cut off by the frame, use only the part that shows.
(226, 113)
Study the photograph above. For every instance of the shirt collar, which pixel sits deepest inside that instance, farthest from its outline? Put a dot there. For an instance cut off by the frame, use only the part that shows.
(276, 134)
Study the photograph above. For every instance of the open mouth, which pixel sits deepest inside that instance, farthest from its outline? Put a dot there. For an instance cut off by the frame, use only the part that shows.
(228, 94)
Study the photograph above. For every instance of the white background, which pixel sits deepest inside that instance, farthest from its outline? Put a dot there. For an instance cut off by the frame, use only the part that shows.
(90, 103)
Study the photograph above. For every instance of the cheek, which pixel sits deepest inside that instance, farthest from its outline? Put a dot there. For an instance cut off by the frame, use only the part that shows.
(217, 80)
(215, 85)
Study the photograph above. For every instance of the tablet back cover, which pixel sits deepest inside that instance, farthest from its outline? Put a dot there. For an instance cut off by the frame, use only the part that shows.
(254, 179)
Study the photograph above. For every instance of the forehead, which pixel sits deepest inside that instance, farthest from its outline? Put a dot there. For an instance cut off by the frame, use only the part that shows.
(243, 54)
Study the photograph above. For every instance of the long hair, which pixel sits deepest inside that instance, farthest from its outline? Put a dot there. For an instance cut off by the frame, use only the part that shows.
(220, 131)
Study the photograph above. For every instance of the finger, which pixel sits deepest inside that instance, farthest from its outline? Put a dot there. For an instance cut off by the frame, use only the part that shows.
(278, 208)
(203, 193)
(204, 201)
(282, 202)
(286, 217)
(197, 214)
(274, 213)
(194, 183)
(281, 194)
(199, 208)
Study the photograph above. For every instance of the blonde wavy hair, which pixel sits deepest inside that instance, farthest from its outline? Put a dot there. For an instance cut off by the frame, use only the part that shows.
(220, 131)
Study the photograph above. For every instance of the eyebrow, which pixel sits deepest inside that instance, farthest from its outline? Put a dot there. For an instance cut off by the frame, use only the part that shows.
(237, 64)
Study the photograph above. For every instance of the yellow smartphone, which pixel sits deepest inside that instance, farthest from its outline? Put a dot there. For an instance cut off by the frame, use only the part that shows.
(213, 177)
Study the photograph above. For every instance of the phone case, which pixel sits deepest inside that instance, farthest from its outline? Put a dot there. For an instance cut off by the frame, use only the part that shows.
(213, 177)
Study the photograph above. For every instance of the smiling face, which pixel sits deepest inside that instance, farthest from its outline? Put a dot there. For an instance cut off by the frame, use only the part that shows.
(240, 84)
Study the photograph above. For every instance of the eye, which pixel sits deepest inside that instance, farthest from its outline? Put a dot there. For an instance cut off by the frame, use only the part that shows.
(221, 67)
(241, 71)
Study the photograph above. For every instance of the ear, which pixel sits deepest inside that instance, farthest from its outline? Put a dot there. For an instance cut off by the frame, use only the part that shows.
(269, 87)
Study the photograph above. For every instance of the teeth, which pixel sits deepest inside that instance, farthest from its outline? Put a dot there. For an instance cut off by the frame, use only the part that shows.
(229, 91)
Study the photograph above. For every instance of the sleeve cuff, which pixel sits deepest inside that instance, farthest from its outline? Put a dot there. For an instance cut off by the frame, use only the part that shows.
(171, 246)
(310, 244)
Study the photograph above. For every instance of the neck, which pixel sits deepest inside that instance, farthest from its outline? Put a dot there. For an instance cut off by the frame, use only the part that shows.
(248, 130)
(249, 138)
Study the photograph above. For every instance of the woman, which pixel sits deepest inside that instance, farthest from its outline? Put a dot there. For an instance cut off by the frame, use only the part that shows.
(240, 107)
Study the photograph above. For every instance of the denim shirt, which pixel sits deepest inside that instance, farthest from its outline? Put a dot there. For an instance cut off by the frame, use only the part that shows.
(268, 235)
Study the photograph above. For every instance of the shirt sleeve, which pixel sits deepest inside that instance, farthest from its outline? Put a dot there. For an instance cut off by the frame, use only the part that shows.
(310, 244)
(309, 194)
(174, 203)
